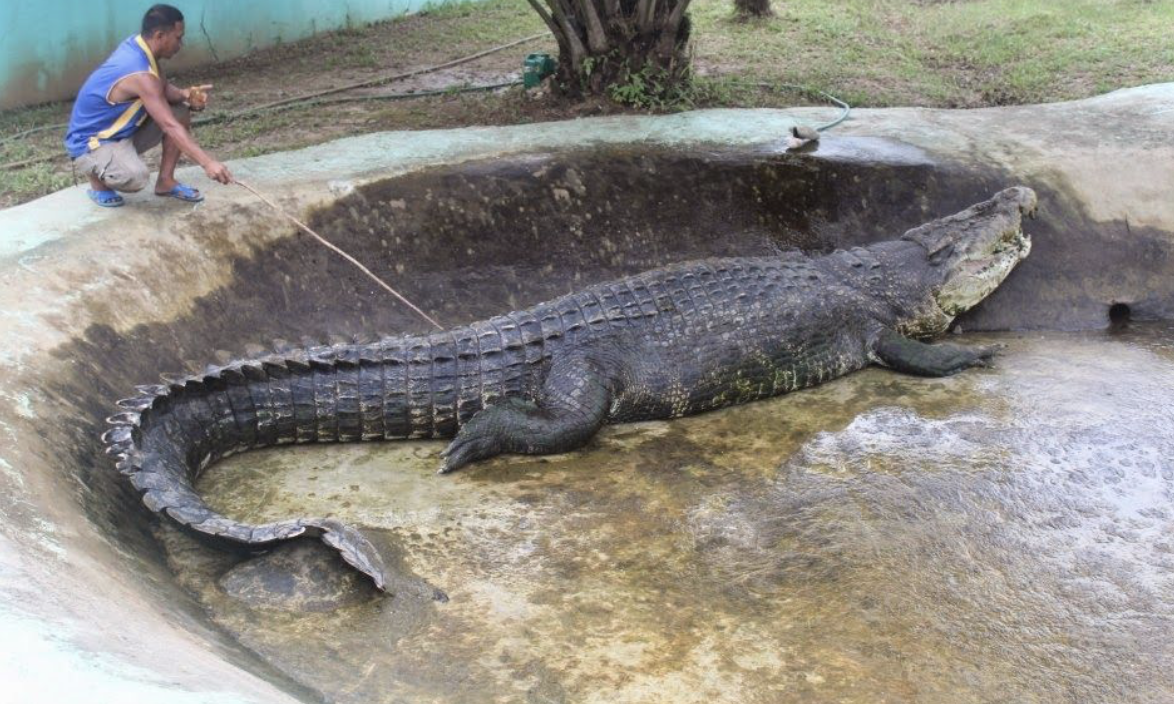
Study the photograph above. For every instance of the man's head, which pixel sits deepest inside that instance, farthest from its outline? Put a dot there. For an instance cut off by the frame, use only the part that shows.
(163, 30)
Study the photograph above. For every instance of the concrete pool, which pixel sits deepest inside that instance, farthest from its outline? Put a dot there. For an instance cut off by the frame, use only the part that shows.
(999, 534)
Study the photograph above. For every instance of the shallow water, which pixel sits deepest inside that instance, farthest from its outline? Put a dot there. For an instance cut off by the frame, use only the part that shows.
(1006, 534)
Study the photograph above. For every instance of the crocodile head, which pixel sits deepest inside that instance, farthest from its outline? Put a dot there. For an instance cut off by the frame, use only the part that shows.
(970, 253)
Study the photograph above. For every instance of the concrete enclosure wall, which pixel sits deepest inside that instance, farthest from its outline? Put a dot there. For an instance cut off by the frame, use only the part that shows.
(47, 49)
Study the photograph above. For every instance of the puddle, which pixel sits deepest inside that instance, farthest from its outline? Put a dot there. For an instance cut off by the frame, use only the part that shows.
(1006, 534)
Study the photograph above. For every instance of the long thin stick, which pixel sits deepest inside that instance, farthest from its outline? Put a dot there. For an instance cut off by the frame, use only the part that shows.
(344, 255)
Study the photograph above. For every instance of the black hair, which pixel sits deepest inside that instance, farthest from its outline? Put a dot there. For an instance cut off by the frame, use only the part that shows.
(160, 18)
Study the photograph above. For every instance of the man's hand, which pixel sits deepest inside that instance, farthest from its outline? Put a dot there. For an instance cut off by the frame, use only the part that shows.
(150, 90)
(197, 97)
(218, 172)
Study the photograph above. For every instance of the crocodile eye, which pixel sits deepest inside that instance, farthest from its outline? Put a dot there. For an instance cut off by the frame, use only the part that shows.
(942, 254)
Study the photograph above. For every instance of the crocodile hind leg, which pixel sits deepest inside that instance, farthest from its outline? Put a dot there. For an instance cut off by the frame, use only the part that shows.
(943, 359)
(567, 412)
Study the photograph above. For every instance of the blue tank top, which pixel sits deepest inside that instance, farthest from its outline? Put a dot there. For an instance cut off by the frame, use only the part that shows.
(95, 120)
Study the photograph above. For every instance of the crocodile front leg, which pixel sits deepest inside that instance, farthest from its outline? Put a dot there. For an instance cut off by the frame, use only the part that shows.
(568, 411)
(943, 359)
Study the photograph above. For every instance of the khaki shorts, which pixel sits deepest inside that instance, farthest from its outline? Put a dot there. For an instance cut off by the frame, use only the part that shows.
(118, 164)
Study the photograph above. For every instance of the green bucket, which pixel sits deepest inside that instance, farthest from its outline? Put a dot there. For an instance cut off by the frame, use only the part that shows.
(535, 67)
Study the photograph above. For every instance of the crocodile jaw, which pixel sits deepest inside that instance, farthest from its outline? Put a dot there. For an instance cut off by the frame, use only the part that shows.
(973, 279)
(971, 252)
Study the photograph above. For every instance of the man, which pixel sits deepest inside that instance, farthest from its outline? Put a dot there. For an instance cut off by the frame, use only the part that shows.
(126, 107)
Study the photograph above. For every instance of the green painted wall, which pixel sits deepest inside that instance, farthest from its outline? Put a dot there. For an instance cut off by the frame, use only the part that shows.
(48, 47)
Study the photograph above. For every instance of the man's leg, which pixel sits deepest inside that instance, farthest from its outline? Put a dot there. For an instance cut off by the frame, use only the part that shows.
(101, 193)
(92, 164)
(166, 180)
(150, 134)
(96, 183)
(115, 166)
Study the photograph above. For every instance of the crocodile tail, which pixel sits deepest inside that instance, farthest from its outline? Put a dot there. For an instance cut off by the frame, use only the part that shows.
(166, 434)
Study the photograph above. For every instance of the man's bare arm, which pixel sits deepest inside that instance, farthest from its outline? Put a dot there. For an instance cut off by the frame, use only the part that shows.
(150, 90)
(174, 95)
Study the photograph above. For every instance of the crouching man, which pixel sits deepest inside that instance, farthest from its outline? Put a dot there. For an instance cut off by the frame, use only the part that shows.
(126, 107)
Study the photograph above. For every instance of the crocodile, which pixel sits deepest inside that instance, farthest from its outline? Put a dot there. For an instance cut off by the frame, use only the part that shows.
(682, 339)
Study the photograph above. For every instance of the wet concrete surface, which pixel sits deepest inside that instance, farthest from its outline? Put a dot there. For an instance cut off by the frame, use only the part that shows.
(1002, 535)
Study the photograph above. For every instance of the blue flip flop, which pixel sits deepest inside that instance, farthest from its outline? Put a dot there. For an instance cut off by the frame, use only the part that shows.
(106, 199)
(184, 193)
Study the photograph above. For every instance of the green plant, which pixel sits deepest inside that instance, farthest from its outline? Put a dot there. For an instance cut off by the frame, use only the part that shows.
(650, 89)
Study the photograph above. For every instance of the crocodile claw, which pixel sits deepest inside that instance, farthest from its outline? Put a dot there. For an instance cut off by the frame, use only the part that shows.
(986, 354)
(465, 449)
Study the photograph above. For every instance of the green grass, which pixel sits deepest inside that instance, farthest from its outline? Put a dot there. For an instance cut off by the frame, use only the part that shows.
(872, 53)
(948, 54)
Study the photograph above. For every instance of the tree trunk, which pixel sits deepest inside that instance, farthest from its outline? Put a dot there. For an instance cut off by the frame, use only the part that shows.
(631, 51)
(748, 9)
